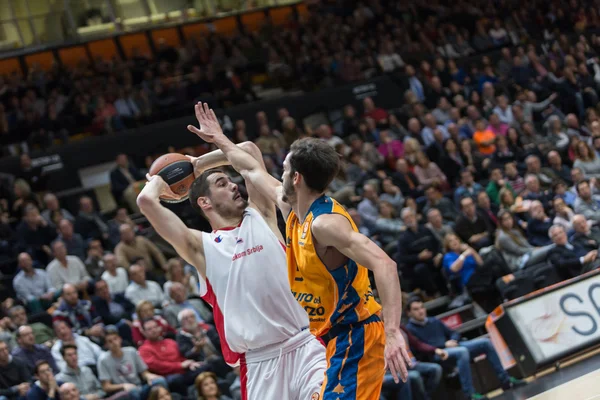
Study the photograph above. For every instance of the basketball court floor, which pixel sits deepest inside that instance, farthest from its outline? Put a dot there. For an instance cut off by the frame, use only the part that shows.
(577, 381)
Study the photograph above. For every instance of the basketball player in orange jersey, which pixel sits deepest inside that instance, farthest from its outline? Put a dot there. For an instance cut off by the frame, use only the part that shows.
(327, 266)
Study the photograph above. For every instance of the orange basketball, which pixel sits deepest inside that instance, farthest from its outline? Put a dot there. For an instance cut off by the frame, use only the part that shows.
(177, 171)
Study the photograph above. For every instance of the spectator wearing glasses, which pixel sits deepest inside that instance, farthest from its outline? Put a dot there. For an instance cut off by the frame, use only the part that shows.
(29, 352)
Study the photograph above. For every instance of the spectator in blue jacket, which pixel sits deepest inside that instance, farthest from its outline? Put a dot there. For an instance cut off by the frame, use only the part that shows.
(45, 388)
(435, 333)
(31, 353)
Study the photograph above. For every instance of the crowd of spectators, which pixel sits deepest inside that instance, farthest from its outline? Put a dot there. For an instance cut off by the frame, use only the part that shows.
(98, 310)
(336, 42)
(489, 160)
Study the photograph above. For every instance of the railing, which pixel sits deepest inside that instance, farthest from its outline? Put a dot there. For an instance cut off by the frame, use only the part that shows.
(31, 25)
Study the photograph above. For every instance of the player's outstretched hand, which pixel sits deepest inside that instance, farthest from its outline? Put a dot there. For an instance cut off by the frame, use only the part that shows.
(209, 124)
(396, 356)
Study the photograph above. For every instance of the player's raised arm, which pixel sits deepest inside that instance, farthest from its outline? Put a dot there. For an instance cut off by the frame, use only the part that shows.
(251, 169)
(187, 242)
(217, 158)
(335, 230)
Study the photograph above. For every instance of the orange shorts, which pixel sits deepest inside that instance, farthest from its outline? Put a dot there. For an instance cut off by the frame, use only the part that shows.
(355, 362)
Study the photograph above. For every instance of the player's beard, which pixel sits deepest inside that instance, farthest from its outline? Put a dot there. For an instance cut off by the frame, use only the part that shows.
(231, 210)
(289, 192)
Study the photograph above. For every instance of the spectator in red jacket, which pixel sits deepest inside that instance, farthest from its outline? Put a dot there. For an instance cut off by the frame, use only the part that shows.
(145, 310)
(371, 111)
(162, 357)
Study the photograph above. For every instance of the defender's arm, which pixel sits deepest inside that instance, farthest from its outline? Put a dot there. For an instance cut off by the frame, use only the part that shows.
(248, 166)
(335, 230)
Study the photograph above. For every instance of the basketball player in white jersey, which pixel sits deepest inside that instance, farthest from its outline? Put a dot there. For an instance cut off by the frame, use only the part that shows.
(244, 277)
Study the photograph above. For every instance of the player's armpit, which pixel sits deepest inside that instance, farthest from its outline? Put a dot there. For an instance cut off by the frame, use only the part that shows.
(336, 231)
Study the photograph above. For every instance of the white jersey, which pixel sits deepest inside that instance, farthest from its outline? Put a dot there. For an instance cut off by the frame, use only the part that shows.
(247, 285)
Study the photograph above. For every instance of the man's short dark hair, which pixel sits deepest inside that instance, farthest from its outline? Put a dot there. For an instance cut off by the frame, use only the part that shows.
(316, 161)
(201, 187)
(411, 301)
(38, 364)
(66, 347)
(580, 182)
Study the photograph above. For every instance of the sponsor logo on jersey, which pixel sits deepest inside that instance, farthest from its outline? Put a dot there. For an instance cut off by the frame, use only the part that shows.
(304, 230)
(218, 239)
(315, 396)
(239, 240)
(247, 252)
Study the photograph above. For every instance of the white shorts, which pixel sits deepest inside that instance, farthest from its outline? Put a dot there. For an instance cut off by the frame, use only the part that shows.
(291, 370)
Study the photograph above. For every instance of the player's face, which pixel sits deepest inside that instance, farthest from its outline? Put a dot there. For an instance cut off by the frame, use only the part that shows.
(225, 197)
(289, 191)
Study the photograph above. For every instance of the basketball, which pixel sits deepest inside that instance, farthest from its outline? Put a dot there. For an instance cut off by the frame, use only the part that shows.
(177, 171)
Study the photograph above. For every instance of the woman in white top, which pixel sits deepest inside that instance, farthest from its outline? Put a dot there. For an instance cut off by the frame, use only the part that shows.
(176, 273)
(513, 245)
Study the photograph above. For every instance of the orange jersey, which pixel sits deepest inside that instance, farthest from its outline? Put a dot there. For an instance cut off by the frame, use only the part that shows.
(330, 297)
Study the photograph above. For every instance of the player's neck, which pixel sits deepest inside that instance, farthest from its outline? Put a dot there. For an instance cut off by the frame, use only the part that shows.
(303, 204)
(219, 222)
